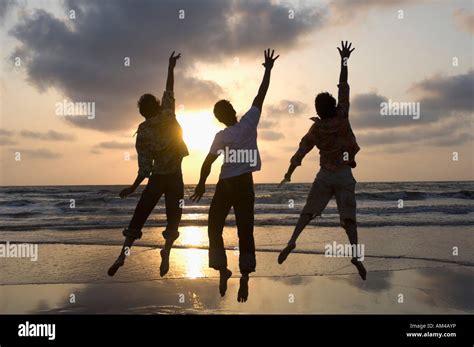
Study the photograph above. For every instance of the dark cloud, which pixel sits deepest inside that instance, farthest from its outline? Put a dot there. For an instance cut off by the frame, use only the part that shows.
(5, 6)
(84, 58)
(445, 94)
(449, 132)
(446, 108)
(50, 135)
(39, 153)
(446, 105)
(270, 135)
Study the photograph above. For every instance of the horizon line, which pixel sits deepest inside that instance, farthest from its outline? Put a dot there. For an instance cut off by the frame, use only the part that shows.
(187, 184)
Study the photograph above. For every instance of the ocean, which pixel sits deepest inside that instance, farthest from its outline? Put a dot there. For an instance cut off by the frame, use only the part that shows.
(423, 250)
(39, 208)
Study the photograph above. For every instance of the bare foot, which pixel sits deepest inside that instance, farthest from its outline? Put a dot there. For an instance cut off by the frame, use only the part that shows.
(360, 267)
(165, 262)
(115, 266)
(224, 276)
(285, 252)
(244, 289)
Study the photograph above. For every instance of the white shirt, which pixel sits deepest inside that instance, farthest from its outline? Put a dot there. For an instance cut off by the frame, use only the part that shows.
(238, 144)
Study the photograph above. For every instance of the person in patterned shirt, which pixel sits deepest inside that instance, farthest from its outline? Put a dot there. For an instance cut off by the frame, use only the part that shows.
(161, 149)
(332, 134)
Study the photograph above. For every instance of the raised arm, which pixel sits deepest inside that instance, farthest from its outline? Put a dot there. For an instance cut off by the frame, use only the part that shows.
(262, 91)
(172, 63)
(205, 171)
(305, 146)
(343, 94)
(345, 53)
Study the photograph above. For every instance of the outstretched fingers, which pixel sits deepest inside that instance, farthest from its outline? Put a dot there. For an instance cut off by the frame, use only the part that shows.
(196, 197)
(176, 57)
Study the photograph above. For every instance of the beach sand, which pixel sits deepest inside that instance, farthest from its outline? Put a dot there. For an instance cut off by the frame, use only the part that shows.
(417, 264)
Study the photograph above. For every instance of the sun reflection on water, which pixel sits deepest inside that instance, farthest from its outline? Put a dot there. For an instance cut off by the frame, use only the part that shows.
(193, 261)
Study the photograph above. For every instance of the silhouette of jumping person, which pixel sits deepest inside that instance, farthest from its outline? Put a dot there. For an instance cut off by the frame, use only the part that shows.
(160, 149)
(238, 143)
(332, 134)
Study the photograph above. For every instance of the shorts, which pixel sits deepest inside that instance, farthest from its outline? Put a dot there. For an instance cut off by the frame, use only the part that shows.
(339, 183)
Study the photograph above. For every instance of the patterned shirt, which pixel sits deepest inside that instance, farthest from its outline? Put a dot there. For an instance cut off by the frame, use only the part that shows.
(332, 136)
(159, 143)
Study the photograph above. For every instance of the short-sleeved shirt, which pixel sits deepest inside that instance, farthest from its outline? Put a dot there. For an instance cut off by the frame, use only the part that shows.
(238, 144)
(333, 137)
(160, 145)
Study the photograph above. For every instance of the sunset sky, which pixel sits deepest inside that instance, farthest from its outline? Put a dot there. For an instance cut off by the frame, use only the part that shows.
(425, 57)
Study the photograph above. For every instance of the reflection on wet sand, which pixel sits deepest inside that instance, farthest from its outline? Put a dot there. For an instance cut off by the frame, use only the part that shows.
(425, 291)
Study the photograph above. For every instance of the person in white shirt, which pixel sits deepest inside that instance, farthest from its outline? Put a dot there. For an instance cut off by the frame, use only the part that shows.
(238, 144)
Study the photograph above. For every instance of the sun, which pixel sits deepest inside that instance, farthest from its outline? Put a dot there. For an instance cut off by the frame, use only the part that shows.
(199, 129)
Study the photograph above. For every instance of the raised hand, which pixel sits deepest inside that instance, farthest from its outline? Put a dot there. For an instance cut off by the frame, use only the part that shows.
(198, 192)
(269, 60)
(126, 192)
(286, 179)
(173, 59)
(346, 50)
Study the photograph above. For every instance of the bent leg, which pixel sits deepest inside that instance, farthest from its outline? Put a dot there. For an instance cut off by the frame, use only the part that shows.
(316, 202)
(346, 205)
(148, 200)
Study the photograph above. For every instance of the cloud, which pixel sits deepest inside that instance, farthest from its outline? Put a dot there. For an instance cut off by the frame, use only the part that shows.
(5, 132)
(5, 137)
(346, 11)
(5, 7)
(446, 108)
(6, 141)
(270, 135)
(84, 58)
(449, 132)
(464, 19)
(439, 97)
(50, 135)
(267, 124)
(286, 108)
(115, 145)
(39, 153)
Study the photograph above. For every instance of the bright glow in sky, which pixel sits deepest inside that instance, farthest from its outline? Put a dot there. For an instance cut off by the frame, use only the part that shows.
(402, 59)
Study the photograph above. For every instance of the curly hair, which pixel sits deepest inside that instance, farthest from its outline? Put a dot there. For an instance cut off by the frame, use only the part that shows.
(325, 105)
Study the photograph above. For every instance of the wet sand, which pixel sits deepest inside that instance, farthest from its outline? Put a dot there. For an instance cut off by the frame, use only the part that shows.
(307, 283)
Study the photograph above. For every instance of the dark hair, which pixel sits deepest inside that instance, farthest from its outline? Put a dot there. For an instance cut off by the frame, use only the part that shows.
(325, 105)
(224, 112)
(148, 105)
